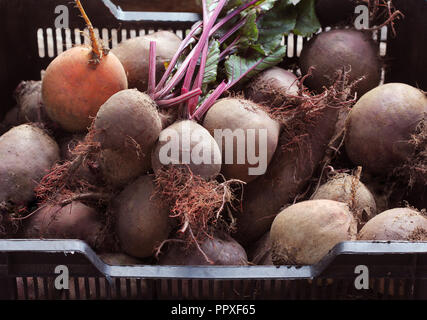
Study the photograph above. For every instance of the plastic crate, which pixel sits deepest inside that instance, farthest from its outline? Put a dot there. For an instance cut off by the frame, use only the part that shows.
(397, 270)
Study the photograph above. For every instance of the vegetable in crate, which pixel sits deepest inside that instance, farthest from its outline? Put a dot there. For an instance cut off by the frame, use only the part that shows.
(128, 124)
(351, 191)
(384, 127)
(72, 221)
(118, 168)
(142, 220)
(79, 81)
(387, 135)
(28, 96)
(333, 50)
(256, 137)
(134, 55)
(303, 233)
(29, 108)
(272, 86)
(27, 152)
(404, 224)
(221, 249)
(188, 144)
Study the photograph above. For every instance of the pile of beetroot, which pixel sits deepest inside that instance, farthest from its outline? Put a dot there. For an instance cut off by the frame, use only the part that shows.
(346, 157)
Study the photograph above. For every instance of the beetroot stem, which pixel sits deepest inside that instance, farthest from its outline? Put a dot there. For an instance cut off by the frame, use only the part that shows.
(180, 99)
(94, 42)
(233, 30)
(192, 103)
(205, 106)
(152, 69)
(176, 78)
(226, 19)
(178, 53)
(230, 49)
(201, 44)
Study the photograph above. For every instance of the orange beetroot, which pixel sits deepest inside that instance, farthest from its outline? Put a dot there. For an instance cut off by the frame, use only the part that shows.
(79, 81)
(74, 90)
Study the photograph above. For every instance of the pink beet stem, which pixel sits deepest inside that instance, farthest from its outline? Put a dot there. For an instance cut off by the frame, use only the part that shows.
(224, 20)
(232, 30)
(180, 99)
(192, 103)
(200, 112)
(178, 53)
(201, 44)
(152, 69)
(175, 79)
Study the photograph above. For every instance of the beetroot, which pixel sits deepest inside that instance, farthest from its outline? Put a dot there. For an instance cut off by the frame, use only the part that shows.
(271, 87)
(128, 120)
(79, 80)
(28, 95)
(118, 168)
(349, 190)
(73, 221)
(380, 126)
(27, 152)
(134, 55)
(221, 250)
(142, 221)
(184, 141)
(305, 232)
(245, 119)
(334, 50)
(396, 224)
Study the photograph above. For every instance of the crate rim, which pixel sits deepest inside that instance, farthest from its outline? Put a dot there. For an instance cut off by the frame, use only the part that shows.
(147, 16)
(288, 272)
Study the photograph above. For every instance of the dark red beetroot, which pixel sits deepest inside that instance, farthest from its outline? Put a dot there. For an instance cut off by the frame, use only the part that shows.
(28, 95)
(380, 126)
(127, 126)
(271, 86)
(240, 114)
(142, 220)
(134, 55)
(334, 50)
(73, 221)
(221, 250)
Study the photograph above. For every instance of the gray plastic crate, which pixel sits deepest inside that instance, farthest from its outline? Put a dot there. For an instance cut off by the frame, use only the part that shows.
(397, 270)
